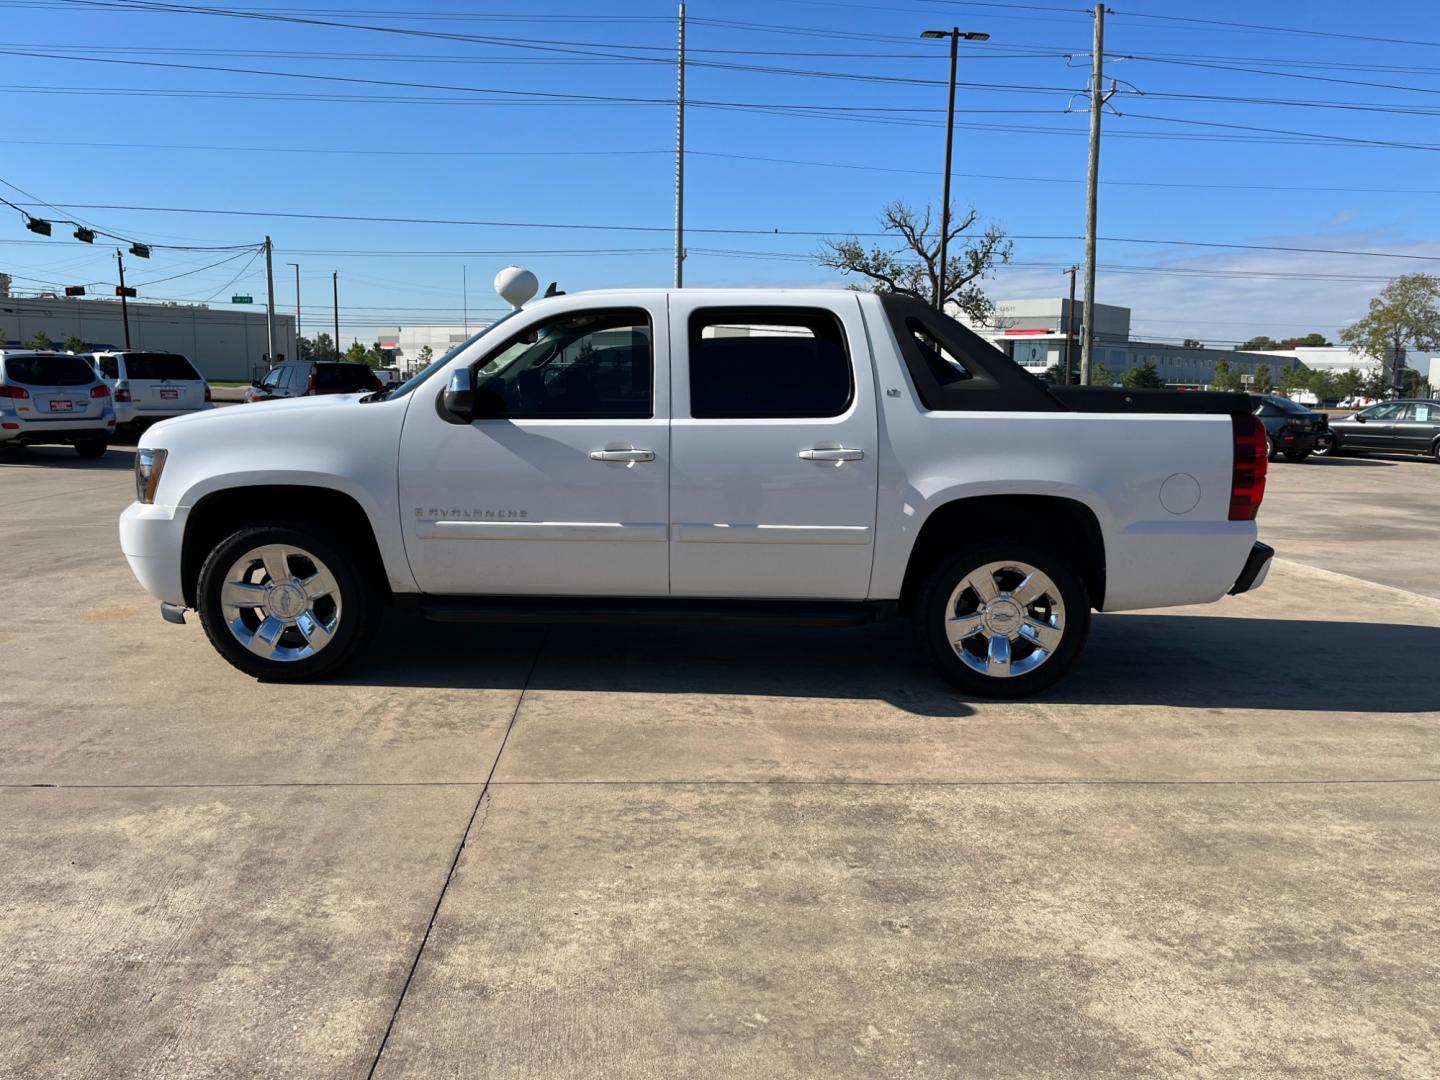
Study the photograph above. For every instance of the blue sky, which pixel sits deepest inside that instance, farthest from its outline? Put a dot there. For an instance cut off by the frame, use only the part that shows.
(523, 127)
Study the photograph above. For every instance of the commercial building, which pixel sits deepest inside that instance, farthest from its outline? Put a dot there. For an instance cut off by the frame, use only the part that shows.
(1034, 334)
(223, 343)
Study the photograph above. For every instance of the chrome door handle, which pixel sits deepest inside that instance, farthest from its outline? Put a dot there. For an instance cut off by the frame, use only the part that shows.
(831, 453)
(622, 455)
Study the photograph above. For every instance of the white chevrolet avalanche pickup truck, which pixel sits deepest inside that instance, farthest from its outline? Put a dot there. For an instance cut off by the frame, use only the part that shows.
(823, 456)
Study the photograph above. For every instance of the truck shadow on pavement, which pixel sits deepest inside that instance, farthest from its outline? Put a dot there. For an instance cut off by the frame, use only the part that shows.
(1195, 661)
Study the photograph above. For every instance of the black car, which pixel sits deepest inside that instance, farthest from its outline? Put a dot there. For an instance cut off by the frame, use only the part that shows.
(1291, 428)
(1403, 427)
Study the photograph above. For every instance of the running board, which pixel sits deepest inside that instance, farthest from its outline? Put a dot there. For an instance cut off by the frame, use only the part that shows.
(647, 611)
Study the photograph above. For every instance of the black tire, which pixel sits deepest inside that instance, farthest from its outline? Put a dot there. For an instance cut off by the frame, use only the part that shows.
(1296, 455)
(1271, 452)
(932, 616)
(358, 601)
(92, 448)
(1435, 452)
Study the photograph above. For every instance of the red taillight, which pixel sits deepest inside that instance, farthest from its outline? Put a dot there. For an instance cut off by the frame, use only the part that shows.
(14, 392)
(1247, 476)
(310, 383)
(122, 393)
(100, 391)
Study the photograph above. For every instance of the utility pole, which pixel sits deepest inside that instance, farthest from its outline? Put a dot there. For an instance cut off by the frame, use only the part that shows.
(465, 296)
(680, 155)
(297, 309)
(335, 287)
(124, 308)
(269, 303)
(954, 34)
(1098, 98)
(1069, 325)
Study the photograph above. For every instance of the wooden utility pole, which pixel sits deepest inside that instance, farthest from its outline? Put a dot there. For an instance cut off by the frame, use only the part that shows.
(1098, 98)
(680, 155)
(124, 308)
(335, 290)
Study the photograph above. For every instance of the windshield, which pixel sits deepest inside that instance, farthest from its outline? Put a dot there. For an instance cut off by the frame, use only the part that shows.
(1286, 405)
(434, 365)
(159, 366)
(49, 370)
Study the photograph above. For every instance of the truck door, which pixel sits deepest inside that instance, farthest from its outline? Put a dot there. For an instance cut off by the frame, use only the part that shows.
(773, 477)
(561, 490)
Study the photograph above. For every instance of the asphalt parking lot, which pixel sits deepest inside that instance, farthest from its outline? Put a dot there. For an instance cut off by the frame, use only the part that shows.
(1214, 850)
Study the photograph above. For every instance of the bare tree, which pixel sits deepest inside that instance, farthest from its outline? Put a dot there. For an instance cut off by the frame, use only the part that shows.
(912, 266)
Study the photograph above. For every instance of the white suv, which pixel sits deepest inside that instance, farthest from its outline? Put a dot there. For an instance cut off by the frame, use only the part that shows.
(152, 385)
(50, 397)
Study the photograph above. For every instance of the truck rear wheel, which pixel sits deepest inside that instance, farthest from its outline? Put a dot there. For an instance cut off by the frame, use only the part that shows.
(1003, 618)
(282, 603)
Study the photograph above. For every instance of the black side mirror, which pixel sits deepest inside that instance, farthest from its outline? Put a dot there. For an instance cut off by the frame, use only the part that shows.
(457, 403)
(1359, 418)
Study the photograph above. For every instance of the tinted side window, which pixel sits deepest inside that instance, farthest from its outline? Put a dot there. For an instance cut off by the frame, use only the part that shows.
(351, 378)
(592, 365)
(1383, 412)
(49, 370)
(761, 363)
(109, 367)
(272, 378)
(169, 366)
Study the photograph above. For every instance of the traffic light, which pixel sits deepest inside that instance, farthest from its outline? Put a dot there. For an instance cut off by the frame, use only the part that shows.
(84, 235)
(140, 251)
(38, 225)
(128, 290)
(74, 290)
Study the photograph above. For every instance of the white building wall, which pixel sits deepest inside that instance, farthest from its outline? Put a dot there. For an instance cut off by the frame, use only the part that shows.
(222, 343)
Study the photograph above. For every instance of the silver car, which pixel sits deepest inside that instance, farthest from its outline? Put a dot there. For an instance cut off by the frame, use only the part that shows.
(50, 397)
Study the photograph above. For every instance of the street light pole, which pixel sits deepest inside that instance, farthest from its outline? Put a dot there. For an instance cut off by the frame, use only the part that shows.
(269, 303)
(124, 309)
(335, 286)
(954, 34)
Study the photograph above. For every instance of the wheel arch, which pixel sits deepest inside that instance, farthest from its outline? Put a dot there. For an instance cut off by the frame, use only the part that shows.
(219, 513)
(1067, 524)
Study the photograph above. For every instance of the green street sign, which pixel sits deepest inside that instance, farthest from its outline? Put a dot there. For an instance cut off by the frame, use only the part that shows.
(242, 299)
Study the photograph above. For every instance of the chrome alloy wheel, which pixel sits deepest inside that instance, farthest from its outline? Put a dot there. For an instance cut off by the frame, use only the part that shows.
(1005, 619)
(280, 602)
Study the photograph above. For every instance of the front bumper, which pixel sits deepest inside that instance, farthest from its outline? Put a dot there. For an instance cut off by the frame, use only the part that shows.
(1257, 566)
(152, 538)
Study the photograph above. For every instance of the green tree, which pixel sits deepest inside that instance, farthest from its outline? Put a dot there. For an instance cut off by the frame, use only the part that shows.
(1348, 383)
(1261, 342)
(1191, 343)
(357, 353)
(1262, 378)
(1308, 341)
(425, 356)
(1321, 383)
(1406, 315)
(1377, 382)
(320, 347)
(1144, 377)
(1293, 378)
(911, 265)
(40, 340)
(1225, 377)
(73, 344)
(1100, 375)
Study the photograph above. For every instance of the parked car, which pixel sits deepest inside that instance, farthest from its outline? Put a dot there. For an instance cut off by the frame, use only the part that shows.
(48, 397)
(305, 378)
(1290, 428)
(1403, 427)
(710, 455)
(151, 385)
(389, 376)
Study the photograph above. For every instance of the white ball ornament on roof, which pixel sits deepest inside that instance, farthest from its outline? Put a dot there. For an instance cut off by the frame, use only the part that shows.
(516, 285)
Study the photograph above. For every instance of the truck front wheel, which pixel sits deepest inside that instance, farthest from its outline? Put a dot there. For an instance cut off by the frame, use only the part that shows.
(284, 604)
(1003, 618)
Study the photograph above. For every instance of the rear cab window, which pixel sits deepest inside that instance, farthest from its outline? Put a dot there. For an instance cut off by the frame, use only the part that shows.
(351, 378)
(49, 371)
(170, 367)
(768, 363)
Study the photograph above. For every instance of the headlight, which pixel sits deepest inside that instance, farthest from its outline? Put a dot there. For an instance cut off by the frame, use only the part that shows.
(149, 464)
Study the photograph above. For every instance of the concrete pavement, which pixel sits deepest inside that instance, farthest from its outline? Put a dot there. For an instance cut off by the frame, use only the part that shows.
(1211, 851)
